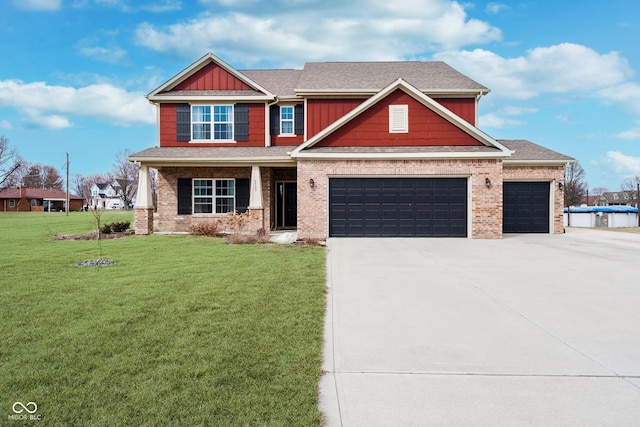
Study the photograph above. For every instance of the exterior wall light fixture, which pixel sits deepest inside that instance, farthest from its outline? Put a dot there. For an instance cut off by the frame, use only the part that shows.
(311, 182)
(560, 185)
(487, 182)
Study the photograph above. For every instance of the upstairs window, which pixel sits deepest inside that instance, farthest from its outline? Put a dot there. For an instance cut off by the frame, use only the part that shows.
(286, 120)
(398, 118)
(212, 122)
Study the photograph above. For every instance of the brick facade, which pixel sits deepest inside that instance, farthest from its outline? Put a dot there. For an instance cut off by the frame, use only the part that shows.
(168, 218)
(485, 203)
(552, 174)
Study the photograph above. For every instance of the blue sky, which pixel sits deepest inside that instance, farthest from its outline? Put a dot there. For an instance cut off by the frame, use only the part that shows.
(562, 74)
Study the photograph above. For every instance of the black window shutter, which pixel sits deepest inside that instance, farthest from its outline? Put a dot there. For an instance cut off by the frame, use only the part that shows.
(241, 122)
(184, 196)
(275, 120)
(183, 122)
(242, 194)
(299, 119)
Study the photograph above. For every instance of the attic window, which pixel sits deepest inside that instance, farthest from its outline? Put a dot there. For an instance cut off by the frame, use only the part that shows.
(398, 118)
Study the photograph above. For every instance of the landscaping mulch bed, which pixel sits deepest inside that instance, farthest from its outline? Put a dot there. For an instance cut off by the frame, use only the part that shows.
(92, 236)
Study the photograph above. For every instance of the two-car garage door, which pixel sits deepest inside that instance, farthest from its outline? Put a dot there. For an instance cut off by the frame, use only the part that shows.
(398, 207)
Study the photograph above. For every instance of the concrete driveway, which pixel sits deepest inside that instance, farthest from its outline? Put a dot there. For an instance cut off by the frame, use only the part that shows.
(536, 330)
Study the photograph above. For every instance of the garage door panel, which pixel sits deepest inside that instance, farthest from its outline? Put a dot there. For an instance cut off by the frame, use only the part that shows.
(398, 207)
(526, 207)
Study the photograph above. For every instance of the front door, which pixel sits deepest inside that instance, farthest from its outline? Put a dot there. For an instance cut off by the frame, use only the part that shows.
(286, 204)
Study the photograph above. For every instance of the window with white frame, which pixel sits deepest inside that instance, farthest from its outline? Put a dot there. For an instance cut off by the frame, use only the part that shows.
(34, 202)
(212, 122)
(12, 203)
(286, 120)
(214, 196)
(398, 118)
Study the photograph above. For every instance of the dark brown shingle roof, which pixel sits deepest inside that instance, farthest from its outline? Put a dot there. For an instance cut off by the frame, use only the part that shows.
(433, 76)
(524, 150)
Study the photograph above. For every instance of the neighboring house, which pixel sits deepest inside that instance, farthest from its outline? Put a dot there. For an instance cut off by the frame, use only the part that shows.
(37, 200)
(342, 149)
(106, 196)
(616, 198)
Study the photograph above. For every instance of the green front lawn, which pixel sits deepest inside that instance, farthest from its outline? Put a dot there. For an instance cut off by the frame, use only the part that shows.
(180, 330)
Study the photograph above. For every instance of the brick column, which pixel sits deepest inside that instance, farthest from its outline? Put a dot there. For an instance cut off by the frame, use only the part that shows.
(144, 207)
(143, 221)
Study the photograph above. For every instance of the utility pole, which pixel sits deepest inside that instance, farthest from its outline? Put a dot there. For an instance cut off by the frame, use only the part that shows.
(67, 204)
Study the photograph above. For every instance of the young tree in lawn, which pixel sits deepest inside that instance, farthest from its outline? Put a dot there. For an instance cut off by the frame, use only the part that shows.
(10, 163)
(125, 174)
(575, 186)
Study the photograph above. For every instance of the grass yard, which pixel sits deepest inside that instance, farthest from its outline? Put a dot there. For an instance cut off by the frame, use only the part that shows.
(180, 330)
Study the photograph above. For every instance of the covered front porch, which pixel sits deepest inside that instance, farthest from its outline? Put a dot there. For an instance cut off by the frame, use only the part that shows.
(263, 189)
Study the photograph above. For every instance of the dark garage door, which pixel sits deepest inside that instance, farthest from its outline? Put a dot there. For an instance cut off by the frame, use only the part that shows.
(397, 207)
(526, 207)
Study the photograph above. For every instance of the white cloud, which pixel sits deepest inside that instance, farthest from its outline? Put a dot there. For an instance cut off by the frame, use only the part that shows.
(501, 118)
(382, 30)
(494, 8)
(630, 135)
(561, 68)
(50, 106)
(112, 55)
(38, 5)
(627, 94)
(497, 121)
(6, 125)
(623, 164)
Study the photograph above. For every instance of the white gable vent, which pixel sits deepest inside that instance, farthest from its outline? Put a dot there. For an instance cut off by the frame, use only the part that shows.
(398, 118)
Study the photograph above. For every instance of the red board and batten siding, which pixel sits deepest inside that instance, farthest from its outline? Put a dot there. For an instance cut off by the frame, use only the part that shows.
(322, 112)
(463, 107)
(371, 128)
(212, 77)
(168, 136)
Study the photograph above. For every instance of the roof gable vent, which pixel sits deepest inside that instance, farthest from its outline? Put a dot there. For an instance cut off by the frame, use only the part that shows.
(398, 118)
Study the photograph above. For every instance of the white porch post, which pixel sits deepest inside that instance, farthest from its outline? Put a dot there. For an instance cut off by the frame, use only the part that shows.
(144, 198)
(144, 203)
(255, 191)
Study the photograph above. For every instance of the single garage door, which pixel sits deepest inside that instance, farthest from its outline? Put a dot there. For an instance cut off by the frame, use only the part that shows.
(526, 207)
(397, 207)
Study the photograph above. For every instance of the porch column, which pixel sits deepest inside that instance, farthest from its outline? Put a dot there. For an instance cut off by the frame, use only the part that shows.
(144, 203)
(255, 195)
(255, 191)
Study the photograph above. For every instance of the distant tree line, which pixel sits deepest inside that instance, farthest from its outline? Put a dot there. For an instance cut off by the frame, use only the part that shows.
(16, 172)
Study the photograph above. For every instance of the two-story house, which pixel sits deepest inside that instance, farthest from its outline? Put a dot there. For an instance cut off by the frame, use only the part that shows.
(342, 149)
(106, 195)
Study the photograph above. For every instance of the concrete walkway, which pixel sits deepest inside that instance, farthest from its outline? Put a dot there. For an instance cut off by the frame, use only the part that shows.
(530, 330)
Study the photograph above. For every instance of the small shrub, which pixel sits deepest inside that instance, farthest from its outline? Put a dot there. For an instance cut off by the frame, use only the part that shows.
(115, 227)
(209, 229)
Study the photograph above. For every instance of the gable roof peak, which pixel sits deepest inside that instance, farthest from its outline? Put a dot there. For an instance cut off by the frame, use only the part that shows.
(208, 58)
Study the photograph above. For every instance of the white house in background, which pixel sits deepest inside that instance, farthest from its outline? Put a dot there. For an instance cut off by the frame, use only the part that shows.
(106, 196)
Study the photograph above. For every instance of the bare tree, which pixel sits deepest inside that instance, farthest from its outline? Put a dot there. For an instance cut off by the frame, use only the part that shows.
(630, 186)
(575, 186)
(42, 176)
(598, 191)
(10, 162)
(125, 174)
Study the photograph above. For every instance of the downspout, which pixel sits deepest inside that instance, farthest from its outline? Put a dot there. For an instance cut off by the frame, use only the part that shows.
(267, 122)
